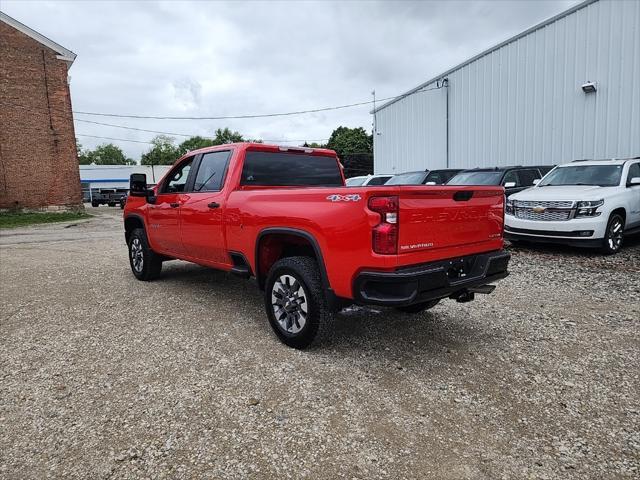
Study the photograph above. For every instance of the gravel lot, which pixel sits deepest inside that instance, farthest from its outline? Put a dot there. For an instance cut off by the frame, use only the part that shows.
(103, 376)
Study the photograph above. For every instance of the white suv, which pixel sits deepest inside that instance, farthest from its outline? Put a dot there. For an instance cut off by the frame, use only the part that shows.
(586, 203)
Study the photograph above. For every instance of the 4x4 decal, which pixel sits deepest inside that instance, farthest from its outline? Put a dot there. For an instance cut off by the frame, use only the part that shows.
(344, 198)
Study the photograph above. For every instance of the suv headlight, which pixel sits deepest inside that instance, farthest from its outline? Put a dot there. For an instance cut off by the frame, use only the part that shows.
(508, 207)
(588, 208)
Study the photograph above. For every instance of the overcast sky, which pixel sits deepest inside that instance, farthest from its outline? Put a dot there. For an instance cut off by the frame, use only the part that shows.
(218, 58)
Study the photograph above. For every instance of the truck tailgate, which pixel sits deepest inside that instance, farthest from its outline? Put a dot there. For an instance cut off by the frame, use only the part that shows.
(462, 219)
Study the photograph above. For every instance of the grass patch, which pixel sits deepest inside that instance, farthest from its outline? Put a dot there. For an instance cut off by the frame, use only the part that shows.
(21, 219)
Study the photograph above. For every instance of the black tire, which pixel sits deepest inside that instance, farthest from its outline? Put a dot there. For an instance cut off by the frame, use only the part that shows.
(614, 235)
(418, 307)
(151, 263)
(285, 303)
(112, 204)
(95, 204)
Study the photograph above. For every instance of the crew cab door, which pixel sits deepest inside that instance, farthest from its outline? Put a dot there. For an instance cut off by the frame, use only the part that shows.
(202, 210)
(164, 213)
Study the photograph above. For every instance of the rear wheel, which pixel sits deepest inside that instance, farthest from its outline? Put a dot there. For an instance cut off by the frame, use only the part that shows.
(614, 235)
(95, 204)
(418, 307)
(295, 303)
(145, 263)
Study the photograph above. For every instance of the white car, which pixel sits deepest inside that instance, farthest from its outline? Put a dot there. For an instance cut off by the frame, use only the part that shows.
(364, 180)
(586, 203)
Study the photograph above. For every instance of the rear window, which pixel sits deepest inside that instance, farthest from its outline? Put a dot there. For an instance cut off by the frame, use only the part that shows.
(440, 177)
(476, 178)
(411, 178)
(290, 169)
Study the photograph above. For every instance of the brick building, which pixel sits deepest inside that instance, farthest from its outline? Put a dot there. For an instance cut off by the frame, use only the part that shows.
(38, 158)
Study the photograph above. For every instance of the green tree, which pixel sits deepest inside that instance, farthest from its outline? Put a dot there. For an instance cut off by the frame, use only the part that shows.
(227, 136)
(162, 152)
(349, 141)
(354, 148)
(195, 143)
(107, 154)
(83, 158)
(314, 145)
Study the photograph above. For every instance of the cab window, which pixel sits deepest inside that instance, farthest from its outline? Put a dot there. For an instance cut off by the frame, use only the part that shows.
(634, 171)
(177, 179)
(211, 171)
(527, 177)
(511, 176)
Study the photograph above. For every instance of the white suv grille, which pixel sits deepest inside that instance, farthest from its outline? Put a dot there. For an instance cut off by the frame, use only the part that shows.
(546, 211)
(547, 204)
(547, 215)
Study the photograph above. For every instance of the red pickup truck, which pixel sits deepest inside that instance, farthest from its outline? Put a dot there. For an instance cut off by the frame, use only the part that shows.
(284, 216)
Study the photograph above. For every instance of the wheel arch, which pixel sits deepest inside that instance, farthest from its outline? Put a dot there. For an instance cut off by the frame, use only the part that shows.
(284, 234)
(620, 211)
(131, 222)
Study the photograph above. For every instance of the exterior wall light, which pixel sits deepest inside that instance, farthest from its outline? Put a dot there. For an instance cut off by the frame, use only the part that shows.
(589, 87)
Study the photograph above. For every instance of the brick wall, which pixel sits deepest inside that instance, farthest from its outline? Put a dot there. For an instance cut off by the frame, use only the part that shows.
(38, 159)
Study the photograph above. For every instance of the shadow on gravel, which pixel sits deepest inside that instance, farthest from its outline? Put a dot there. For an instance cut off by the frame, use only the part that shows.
(358, 330)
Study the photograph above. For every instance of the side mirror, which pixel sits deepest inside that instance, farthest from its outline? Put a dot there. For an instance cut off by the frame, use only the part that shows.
(536, 181)
(138, 185)
(634, 181)
(509, 184)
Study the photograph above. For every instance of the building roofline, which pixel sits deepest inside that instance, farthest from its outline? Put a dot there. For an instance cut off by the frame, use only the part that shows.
(63, 53)
(538, 26)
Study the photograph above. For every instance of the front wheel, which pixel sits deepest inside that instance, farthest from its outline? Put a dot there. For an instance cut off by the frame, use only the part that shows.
(614, 235)
(418, 307)
(295, 302)
(145, 263)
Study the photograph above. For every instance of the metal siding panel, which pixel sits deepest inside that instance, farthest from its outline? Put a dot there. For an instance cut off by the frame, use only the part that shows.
(522, 103)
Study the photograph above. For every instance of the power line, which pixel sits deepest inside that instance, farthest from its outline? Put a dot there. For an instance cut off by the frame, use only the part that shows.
(247, 116)
(127, 127)
(111, 138)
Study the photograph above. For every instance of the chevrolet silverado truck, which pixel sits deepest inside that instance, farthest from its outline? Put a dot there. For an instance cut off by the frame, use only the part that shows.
(284, 216)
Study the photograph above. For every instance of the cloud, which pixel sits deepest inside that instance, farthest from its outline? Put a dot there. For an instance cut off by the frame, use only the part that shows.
(216, 58)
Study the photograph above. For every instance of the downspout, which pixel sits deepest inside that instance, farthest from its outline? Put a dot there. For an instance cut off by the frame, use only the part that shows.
(445, 83)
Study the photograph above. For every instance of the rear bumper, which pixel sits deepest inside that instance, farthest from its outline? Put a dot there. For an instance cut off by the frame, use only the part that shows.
(446, 278)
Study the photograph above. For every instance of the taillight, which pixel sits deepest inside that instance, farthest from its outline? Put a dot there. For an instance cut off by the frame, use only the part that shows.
(385, 234)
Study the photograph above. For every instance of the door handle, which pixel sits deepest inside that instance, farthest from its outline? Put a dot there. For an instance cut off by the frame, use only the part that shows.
(174, 205)
(213, 205)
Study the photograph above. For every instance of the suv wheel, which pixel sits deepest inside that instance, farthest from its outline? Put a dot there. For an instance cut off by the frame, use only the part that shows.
(95, 204)
(418, 307)
(296, 306)
(614, 235)
(145, 263)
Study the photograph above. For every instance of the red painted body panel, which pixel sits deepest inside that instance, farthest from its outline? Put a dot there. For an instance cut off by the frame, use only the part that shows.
(432, 225)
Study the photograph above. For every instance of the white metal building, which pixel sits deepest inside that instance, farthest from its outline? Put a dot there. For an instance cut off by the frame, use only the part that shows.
(522, 102)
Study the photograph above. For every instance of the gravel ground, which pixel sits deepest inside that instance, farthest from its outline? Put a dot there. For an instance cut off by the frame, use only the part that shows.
(103, 376)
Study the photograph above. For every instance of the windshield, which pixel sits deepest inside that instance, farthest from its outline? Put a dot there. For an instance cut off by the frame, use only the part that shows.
(476, 178)
(411, 178)
(355, 181)
(597, 175)
(440, 177)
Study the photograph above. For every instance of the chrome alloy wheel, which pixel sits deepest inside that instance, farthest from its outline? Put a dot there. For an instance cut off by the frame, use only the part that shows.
(137, 255)
(614, 235)
(289, 302)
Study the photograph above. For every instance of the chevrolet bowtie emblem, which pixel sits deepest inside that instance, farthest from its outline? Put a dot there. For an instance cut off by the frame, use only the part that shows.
(538, 209)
